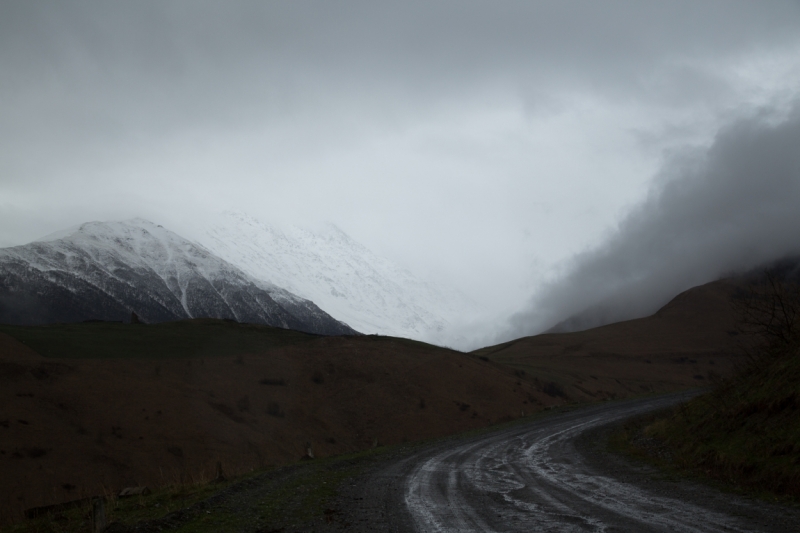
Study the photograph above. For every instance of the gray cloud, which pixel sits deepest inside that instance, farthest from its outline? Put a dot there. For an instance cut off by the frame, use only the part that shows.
(711, 213)
(115, 70)
(476, 142)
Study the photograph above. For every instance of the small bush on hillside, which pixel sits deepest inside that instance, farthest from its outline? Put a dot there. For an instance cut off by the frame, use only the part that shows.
(277, 382)
(274, 409)
(769, 318)
(463, 406)
(554, 390)
(243, 404)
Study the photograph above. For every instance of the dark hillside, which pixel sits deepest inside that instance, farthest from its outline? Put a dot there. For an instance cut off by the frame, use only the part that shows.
(88, 409)
(204, 337)
(747, 431)
(689, 342)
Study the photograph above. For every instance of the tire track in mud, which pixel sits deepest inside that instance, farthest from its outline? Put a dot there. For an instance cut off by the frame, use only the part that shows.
(539, 477)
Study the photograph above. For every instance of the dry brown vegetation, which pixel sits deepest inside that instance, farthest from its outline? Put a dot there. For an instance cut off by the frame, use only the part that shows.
(690, 342)
(71, 428)
(100, 413)
(746, 432)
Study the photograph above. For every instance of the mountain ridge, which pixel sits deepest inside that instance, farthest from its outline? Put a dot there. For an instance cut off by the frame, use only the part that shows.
(106, 270)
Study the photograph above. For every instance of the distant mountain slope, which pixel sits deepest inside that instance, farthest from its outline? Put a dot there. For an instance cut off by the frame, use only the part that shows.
(614, 311)
(692, 338)
(343, 277)
(105, 270)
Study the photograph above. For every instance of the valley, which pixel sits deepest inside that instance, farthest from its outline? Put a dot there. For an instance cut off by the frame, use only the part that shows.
(131, 357)
(99, 406)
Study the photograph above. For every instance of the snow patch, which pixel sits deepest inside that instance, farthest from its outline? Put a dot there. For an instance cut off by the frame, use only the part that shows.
(342, 276)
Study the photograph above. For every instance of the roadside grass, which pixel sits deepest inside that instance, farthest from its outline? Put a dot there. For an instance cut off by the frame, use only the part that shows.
(298, 495)
(264, 499)
(276, 497)
(157, 504)
(743, 436)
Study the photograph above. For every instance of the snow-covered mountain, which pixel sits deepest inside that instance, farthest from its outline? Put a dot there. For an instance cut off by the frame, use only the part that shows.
(343, 277)
(106, 270)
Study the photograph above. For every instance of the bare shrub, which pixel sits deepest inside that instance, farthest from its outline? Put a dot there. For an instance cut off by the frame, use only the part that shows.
(769, 316)
(274, 409)
(463, 406)
(554, 390)
(243, 404)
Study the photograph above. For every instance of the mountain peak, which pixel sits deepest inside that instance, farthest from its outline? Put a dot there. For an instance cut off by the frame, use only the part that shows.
(105, 270)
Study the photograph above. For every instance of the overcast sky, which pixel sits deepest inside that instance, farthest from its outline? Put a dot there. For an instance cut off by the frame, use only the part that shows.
(501, 146)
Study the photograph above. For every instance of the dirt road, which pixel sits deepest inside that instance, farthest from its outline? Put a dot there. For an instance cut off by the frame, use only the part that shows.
(550, 475)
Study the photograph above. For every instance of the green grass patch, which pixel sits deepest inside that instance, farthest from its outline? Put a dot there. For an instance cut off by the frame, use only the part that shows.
(261, 500)
(186, 338)
(297, 495)
(154, 505)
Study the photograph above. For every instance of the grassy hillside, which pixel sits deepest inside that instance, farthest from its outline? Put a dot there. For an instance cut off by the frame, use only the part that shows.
(114, 405)
(746, 432)
(688, 343)
(94, 407)
(186, 338)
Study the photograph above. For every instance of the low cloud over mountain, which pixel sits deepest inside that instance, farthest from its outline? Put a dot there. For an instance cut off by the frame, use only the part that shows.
(711, 212)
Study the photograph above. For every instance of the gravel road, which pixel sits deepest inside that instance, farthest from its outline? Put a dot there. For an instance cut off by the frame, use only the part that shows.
(552, 474)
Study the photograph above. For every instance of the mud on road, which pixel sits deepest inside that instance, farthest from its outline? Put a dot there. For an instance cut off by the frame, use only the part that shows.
(552, 474)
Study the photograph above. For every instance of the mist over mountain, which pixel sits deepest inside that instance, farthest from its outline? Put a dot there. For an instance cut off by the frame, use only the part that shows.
(346, 279)
(713, 212)
(106, 270)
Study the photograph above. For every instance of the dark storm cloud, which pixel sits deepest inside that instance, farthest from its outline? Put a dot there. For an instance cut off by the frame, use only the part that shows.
(712, 213)
(105, 68)
(90, 79)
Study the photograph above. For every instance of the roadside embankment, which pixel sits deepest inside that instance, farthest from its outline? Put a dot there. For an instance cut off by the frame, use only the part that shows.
(745, 433)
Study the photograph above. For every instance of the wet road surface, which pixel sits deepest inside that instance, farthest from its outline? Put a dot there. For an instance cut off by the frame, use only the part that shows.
(551, 475)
